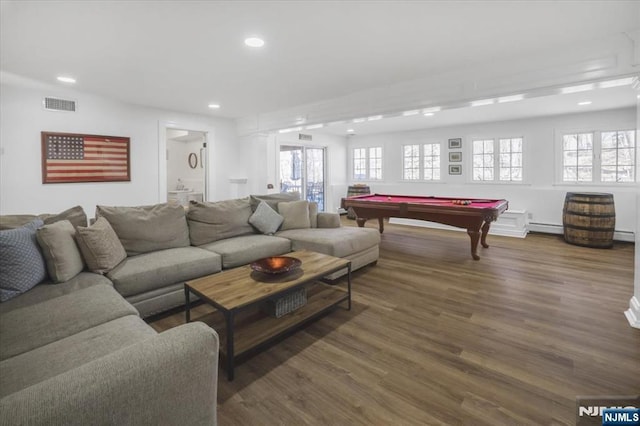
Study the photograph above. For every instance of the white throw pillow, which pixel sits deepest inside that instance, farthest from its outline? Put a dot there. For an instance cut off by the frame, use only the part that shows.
(265, 219)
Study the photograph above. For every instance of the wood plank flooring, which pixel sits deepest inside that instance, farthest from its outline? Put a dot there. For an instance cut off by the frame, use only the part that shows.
(435, 337)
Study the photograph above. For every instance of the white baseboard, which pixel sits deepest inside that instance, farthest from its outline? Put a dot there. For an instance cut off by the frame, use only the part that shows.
(510, 224)
(633, 313)
(558, 229)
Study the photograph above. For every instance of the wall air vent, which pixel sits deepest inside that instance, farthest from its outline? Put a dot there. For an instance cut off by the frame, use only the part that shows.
(304, 137)
(57, 104)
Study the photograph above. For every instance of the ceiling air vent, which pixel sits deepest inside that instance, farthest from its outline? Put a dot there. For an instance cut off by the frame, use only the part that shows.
(56, 104)
(303, 137)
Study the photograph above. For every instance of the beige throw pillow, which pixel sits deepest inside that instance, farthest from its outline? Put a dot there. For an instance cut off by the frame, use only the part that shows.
(61, 253)
(295, 214)
(100, 246)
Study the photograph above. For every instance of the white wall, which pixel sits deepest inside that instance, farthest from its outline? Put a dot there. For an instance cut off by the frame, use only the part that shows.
(23, 118)
(540, 195)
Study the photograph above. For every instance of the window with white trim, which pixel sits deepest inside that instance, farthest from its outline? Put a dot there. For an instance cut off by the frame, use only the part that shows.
(599, 156)
(617, 156)
(421, 161)
(497, 160)
(375, 163)
(367, 163)
(577, 157)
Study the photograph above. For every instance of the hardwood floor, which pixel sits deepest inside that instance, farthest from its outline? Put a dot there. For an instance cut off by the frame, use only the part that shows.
(435, 337)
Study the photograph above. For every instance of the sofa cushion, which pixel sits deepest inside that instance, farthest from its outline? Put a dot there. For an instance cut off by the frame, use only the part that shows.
(313, 214)
(48, 290)
(13, 221)
(247, 248)
(70, 352)
(339, 242)
(37, 325)
(100, 246)
(328, 220)
(266, 219)
(62, 255)
(295, 214)
(144, 229)
(75, 215)
(21, 263)
(149, 271)
(209, 222)
(273, 199)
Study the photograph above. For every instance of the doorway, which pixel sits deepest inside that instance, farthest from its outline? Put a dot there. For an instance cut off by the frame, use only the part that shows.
(186, 166)
(302, 170)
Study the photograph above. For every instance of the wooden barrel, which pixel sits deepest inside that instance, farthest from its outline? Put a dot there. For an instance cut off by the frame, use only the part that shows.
(356, 190)
(589, 219)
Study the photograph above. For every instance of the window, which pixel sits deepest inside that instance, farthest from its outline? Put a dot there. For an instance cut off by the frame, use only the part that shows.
(607, 156)
(367, 163)
(577, 157)
(421, 162)
(617, 156)
(507, 165)
(431, 157)
(411, 162)
(375, 163)
(511, 159)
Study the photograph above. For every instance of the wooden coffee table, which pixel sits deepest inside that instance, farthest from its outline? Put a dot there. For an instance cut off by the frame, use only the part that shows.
(235, 290)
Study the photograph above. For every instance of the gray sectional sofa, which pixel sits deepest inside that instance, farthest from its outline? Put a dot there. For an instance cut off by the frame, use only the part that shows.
(74, 348)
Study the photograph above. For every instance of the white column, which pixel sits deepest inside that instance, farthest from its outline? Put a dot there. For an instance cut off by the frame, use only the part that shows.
(633, 313)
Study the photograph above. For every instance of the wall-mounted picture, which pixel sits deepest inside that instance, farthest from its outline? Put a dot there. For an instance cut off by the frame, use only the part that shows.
(72, 157)
(455, 157)
(455, 169)
(455, 143)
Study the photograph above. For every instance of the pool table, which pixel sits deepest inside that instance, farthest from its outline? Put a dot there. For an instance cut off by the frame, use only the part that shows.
(475, 216)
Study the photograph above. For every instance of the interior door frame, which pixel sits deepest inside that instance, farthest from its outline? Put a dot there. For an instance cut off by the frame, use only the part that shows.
(162, 157)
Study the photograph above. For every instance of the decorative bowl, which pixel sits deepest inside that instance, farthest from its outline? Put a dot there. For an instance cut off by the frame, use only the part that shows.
(276, 264)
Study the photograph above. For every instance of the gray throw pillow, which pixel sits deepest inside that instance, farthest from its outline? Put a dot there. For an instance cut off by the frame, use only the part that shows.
(143, 229)
(75, 215)
(100, 246)
(295, 214)
(21, 263)
(58, 244)
(265, 219)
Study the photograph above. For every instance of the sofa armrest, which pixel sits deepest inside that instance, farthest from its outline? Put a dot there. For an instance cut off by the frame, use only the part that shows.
(328, 220)
(168, 379)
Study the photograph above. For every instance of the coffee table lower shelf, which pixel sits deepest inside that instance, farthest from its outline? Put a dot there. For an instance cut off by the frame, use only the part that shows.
(259, 328)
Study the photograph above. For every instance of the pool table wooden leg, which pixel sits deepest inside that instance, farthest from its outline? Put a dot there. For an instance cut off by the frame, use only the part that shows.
(475, 237)
(485, 231)
(360, 221)
(381, 224)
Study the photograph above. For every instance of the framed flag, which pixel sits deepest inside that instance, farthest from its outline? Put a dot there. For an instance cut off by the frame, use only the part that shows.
(71, 157)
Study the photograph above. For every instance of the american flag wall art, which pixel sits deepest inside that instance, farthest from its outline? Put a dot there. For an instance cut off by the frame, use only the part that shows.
(70, 157)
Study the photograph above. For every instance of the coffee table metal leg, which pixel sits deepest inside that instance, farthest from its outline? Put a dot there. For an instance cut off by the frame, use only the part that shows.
(230, 355)
(187, 305)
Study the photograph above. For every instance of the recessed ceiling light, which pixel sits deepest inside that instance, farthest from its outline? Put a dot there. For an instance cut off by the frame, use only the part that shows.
(615, 83)
(289, 130)
(429, 114)
(512, 98)
(584, 103)
(410, 113)
(359, 120)
(315, 126)
(431, 110)
(576, 89)
(214, 106)
(350, 131)
(66, 79)
(254, 42)
(374, 118)
(482, 102)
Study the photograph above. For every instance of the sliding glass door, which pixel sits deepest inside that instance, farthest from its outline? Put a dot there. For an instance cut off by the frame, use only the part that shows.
(302, 170)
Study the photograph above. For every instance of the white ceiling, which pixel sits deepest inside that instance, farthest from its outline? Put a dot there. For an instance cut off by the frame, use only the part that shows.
(185, 55)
